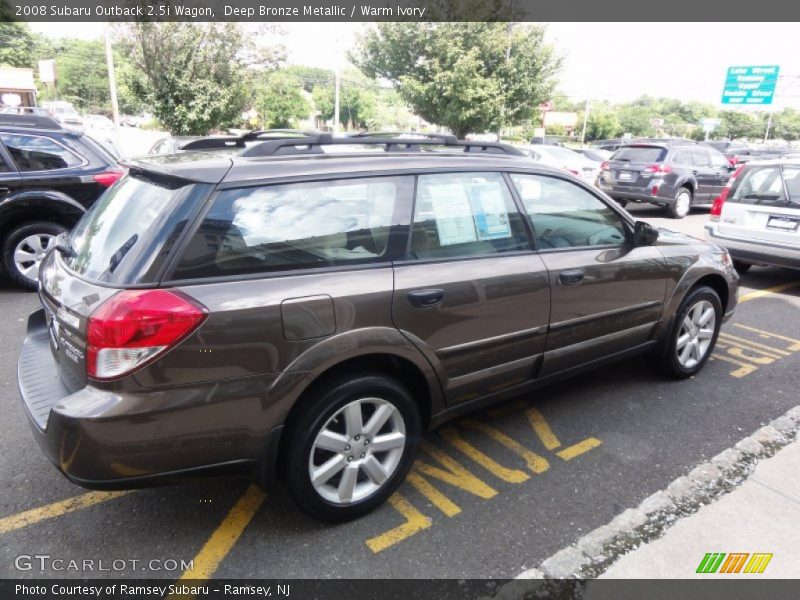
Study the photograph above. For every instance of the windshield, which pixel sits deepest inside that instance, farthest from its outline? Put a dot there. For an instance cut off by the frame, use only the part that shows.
(765, 186)
(125, 235)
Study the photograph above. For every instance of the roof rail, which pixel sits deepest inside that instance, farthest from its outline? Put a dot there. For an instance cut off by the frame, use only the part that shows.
(312, 143)
(29, 121)
(233, 141)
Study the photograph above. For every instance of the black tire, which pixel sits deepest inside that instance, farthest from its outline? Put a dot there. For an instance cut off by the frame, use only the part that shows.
(667, 360)
(46, 229)
(741, 267)
(317, 409)
(622, 203)
(680, 208)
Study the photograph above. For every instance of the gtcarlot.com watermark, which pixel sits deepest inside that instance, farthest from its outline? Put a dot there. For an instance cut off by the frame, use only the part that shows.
(47, 562)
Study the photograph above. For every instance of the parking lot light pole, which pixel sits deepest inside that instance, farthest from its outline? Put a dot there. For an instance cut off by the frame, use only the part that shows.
(585, 121)
(112, 78)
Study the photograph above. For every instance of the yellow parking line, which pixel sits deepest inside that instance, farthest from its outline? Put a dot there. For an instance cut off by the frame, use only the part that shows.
(414, 521)
(35, 515)
(225, 536)
(766, 292)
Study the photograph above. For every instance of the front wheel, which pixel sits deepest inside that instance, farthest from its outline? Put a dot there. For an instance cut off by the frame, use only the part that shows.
(352, 446)
(693, 334)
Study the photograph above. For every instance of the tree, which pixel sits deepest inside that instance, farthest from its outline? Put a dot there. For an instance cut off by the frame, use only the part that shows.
(601, 125)
(16, 45)
(193, 75)
(466, 76)
(356, 101)
(281, 102)
(310, 77)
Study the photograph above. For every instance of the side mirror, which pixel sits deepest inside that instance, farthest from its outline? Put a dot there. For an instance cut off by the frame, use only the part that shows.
(644, 234)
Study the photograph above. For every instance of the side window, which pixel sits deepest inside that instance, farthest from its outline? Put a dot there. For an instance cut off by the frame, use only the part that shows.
(35, 153)
(718, 160)
(298, 225)
(564, 215)
(699, 157)
(681, 158)
(465, 214)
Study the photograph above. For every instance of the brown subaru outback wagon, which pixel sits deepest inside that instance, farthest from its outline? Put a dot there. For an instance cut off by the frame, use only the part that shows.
(308, 307)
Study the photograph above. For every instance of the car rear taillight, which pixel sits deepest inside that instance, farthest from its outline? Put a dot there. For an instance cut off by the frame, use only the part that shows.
(733, 160)
(134, 326)
(719, 201)
(605, 166)
(108, 178)
(658, 168)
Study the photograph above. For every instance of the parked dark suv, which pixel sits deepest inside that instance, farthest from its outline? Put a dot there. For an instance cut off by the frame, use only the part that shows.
(49, 176)
(675, 175)
(308, 313)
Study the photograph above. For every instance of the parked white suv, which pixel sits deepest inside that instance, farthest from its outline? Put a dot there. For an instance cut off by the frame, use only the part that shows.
(757, 216)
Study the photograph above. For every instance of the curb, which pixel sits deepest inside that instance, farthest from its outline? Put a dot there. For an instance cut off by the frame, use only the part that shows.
(594, 553)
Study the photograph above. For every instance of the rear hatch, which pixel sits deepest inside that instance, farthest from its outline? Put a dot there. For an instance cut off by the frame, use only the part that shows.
(628, 168)
(123, 241)
(764, 205)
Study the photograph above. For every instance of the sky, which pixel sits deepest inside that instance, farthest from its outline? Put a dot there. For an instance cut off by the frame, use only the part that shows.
(602, 61)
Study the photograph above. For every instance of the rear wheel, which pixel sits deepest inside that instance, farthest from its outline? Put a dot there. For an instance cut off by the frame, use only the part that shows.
(683, 202)
(693, 334)
(25, 247)
(352, 446)
(741, 267)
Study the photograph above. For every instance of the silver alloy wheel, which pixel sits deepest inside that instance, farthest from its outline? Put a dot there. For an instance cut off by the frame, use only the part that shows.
(682, 203)
(29, 253)
(352, 459)
(696, 333)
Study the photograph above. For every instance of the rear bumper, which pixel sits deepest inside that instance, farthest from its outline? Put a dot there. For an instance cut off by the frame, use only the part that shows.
(754, 251)
(109, 439)
(642, 195)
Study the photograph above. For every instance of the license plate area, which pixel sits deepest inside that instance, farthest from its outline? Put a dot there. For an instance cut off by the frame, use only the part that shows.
(625, 176)
(783, 223)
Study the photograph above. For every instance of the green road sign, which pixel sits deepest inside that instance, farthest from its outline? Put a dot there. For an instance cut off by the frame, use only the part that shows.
(750, 85)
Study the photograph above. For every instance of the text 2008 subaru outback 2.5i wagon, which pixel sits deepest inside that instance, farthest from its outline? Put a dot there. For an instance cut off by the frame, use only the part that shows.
(296, 311)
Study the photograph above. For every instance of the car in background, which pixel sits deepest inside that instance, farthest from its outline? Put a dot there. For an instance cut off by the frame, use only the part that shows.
(566, 159)
(25, 110)
(49, 176)
(98, 123)
(611, 145)
(677, 175)
(549, 140)
(63, 112)
(170, 144)
(757, 216)
(735, 152)
(595, 154)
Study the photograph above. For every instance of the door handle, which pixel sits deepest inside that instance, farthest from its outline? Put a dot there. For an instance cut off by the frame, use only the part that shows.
(426, 298)
(570, 277)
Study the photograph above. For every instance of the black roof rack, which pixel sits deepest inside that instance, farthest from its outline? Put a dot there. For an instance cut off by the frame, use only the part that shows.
(312, 143)
(29, 121)
(233, 141)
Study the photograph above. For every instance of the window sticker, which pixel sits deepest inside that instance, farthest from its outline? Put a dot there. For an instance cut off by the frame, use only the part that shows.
(453, 213)
(489, 208)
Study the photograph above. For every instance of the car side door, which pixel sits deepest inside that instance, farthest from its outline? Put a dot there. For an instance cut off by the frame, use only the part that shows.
(9, 176)
(607, 293)
(471, 294)
(722, 170)
(705, 175)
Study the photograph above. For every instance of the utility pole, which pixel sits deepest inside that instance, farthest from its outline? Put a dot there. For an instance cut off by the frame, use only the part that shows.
(338, 78)
(112, 78)
(585, 121)
(769, 124)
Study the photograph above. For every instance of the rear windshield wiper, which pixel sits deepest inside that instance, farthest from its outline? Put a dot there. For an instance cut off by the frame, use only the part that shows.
(117, 257)
(760, 197)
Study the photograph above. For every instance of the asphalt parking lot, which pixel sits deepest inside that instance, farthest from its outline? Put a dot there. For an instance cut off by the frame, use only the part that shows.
(491, 494)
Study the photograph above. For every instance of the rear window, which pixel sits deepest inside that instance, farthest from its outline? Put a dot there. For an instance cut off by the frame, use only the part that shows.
(764, 186)
(648, 154)
(127, 234)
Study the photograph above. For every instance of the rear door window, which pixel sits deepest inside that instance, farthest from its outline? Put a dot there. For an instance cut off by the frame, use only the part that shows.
(718, 161)
(644, 154)
(299, 225)
(465, 214)
(37, 153)
(699, 157)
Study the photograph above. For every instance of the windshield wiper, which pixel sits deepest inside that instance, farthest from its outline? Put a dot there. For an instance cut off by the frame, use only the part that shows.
(117, 257)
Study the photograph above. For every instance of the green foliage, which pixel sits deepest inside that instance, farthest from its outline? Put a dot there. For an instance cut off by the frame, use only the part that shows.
(280, 101)
(192, 74)
(310, 77)
(601, 125)
(356, 101)
(16, 45)
(466, 76)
